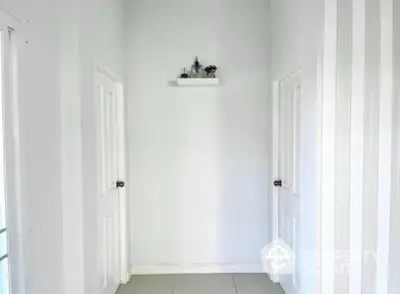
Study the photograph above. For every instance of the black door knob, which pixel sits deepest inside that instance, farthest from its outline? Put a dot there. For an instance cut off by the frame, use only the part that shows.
(278, 183)
(120, 184)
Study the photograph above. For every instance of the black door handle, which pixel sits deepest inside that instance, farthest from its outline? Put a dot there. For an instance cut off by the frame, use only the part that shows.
(278, 183)
(120, 184)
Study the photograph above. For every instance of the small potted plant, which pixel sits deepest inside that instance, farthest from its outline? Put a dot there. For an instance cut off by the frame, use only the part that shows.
(211, 70)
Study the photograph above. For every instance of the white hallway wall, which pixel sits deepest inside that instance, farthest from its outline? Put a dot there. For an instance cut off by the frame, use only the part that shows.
(56, 103)
(362, 106)
(199, 157)
(40, 145)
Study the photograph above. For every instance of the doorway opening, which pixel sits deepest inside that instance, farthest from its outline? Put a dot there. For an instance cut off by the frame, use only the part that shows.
(286, 224)
(111, 200)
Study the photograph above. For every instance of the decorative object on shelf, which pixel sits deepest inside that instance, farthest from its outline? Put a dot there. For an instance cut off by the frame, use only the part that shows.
(197, 69)
(211, 70)
(184, 75)
(198, 72)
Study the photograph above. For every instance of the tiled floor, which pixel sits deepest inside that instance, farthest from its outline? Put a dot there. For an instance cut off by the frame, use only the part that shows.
(201, 284)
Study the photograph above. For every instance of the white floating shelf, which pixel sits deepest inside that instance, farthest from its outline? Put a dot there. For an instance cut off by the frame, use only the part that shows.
(197, 82)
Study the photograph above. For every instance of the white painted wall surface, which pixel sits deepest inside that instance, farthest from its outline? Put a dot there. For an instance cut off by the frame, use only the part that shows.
(199, 157)
(71, 148)
(40, 145)
(56, 103)
(394, 269)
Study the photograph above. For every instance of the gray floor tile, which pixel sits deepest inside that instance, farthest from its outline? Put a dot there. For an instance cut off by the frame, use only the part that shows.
(256, 284)
(204, 284)
(149, 284)
(201, 284)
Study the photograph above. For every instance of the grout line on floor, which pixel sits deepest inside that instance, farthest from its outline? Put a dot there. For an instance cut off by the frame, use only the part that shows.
(173, 284)
(234, 284)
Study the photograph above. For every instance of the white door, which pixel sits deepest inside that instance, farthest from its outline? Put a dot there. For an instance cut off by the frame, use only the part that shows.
(289, 164)
(107, 108)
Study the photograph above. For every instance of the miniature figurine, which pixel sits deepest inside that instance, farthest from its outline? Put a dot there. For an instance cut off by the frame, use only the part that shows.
(197, 69)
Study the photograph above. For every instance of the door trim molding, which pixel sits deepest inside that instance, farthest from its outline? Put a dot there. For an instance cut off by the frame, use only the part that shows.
(98, 67)
(275, 159)
(15, 205)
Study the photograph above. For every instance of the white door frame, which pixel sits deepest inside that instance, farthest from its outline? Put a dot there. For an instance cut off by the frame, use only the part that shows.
(275, 160)
(122, 193)
(275, 166)
(15, 228)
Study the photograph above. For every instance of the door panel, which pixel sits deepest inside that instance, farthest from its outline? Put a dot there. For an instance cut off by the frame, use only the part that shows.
(289, 171)
(108, 200)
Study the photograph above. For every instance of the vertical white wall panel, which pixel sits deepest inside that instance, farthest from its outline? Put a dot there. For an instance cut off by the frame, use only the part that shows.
(362, 184)
(328, 147)
(71, 157)
(371, 147)
(356, 145)
(385, 144)
(394, 253)
(394, 259)
(342, 179)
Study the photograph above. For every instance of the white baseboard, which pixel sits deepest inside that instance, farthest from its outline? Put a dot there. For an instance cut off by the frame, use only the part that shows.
(126, 279)
(196, 268)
